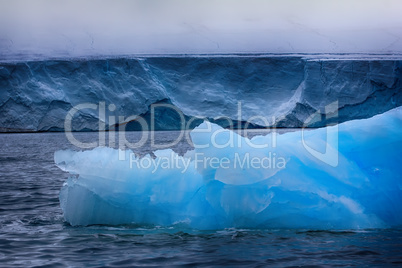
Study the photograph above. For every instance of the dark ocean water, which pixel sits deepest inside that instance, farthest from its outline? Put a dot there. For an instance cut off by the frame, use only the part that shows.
(33, 232)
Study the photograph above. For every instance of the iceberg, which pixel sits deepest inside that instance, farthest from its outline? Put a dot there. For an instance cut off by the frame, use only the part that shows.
(299, 179)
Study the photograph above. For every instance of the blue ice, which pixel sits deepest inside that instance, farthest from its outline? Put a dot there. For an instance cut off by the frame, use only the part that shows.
(347, 176)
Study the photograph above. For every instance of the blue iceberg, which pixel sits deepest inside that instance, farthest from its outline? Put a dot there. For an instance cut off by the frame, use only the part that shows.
(347, 176)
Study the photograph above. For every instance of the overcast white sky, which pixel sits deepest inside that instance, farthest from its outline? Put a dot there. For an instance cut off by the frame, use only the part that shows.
(77, 28)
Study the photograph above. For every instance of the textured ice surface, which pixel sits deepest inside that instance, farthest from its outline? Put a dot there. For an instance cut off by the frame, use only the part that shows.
(360, 188)
(37, 95)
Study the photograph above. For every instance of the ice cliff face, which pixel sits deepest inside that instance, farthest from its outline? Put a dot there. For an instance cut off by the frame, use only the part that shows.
(37, 95)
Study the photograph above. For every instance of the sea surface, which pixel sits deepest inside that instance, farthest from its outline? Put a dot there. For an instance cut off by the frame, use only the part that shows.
(33, 232)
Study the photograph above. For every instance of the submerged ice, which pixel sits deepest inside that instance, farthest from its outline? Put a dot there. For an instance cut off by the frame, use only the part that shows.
(300, 179)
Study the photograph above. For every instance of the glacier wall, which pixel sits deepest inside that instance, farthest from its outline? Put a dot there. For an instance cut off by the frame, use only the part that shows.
(361, 189)
(36, 95)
